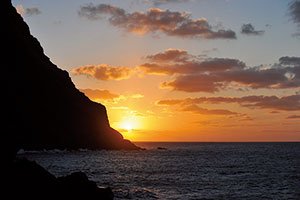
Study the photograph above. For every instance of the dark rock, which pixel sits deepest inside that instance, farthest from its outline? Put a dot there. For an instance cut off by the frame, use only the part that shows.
(78, 181)
(28, 180)
(41, 107)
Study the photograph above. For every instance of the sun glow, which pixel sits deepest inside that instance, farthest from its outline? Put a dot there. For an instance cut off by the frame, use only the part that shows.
(127, 125)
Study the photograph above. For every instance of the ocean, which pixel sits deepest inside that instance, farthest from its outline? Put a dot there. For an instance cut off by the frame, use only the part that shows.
(186, 170)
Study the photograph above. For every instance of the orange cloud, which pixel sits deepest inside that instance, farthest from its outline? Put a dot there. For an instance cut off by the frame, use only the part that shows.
(171, 23)
(99, 94)
(96, 94)
(287, 103)
(293, 117)
(104, 72)
(170, 55)
(203, 111)
(194, 83)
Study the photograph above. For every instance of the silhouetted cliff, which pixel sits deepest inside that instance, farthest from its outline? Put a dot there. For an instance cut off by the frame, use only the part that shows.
(42, 108)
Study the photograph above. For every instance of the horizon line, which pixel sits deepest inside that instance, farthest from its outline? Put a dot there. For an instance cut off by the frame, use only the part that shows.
(296, 141)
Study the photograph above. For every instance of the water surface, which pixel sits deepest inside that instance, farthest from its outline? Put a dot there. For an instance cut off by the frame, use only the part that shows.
(187, 170)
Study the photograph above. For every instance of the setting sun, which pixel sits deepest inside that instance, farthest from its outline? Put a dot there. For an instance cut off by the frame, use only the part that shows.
(127, 125)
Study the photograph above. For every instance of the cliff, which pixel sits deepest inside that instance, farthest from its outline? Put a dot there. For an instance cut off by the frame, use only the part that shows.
(42, 108)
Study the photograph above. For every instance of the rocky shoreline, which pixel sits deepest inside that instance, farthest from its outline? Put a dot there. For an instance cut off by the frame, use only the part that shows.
(27, 180)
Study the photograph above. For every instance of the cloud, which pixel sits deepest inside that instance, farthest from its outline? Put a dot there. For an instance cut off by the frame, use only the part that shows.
(193, 83)
(203, 111)
(293, 117)
(161, 2)
(286, 60)
(285, 103)
(296, 35)
(104, 72)
(32, 11)
(210, 51)
(120, 108)
(93, 12)
(245, 118)
(274, 112)
(191, 73)
(219, 73)
(170, 55)
(248, 29)
(294, 11)
(171, 23)
(106, 95)
(99, 94)
(176, 61)
(137, 96)
(201, 74)
(170, 102)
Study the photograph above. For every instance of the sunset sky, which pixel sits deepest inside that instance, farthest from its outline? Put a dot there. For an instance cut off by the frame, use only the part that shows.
(180, 70)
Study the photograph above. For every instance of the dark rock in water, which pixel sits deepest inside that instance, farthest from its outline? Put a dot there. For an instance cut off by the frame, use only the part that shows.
(78, 181)
(28, 180)
(161, 148)
(41, 107)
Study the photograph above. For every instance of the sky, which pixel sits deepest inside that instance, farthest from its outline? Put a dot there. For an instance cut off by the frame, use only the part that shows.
(180, 70)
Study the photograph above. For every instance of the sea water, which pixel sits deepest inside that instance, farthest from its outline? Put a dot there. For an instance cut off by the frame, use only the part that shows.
(186, 170)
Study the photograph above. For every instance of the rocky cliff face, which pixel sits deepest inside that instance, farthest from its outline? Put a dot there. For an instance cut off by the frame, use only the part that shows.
(41, 106)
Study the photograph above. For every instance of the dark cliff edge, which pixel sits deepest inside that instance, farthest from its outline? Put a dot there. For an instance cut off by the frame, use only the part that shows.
(42, 107)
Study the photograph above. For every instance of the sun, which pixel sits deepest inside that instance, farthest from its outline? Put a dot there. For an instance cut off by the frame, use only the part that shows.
(128, 126)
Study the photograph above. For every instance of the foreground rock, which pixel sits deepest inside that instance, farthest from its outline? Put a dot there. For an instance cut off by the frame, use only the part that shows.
(28, 180)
